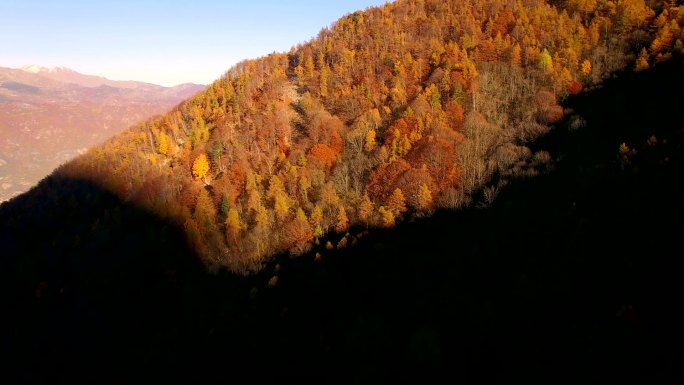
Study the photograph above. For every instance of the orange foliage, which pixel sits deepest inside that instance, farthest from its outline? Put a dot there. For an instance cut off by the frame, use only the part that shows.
(486, 52)
(574, 87)
(455, 115)
(336, 142)
(324, 153)
(237, 179)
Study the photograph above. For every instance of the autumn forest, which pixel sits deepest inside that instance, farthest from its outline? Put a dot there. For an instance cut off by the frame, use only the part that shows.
(389, 113)
(393, 120)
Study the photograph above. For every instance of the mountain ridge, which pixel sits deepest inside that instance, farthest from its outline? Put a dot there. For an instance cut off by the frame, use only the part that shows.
(73, 110)
(69, 76)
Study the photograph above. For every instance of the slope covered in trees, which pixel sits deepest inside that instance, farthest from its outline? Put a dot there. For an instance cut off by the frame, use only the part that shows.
(573, 276)
(561, 263)
(391, 112)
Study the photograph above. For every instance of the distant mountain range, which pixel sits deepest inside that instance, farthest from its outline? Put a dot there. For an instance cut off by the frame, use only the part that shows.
(49, 115)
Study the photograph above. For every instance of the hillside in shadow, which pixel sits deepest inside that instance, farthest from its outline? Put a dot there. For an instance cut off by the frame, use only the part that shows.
(568, 276)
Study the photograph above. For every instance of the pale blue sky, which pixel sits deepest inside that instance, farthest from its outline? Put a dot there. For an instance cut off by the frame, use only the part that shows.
(159, 41)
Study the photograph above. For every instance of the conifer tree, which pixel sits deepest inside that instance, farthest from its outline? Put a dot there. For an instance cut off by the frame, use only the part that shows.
(396, 203)
(366, 209)
(342, 221)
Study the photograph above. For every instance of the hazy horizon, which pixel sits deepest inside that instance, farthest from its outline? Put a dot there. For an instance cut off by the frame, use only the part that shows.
(160, 42)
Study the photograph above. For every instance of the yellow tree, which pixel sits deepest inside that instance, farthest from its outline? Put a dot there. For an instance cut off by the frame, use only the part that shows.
(370, 141)
(308, 67)
(281, 206)
(199, 131)
(261, 220)
(386, 217)
(366, 209)
(261, 230)
(233, 225)
(397, 203)
(315, 219)
(205, 211)
(586, 67)
(642, 61)
(342, 221)
(275, 187)
(545, 61)
(424, 198)
(253, 201)
(163, 143)
(200, 168)
(324, 74)
(316, 216)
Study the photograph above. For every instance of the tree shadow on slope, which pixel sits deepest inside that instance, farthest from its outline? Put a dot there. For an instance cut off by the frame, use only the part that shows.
(567, 276)
(91, 287)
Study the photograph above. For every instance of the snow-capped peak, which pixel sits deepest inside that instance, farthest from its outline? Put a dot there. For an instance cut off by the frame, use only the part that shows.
(35, 68)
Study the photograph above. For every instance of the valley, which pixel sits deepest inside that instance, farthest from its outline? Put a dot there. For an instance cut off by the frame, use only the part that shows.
(49, 116)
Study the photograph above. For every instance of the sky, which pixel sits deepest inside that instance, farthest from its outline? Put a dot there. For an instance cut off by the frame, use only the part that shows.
(164, 42)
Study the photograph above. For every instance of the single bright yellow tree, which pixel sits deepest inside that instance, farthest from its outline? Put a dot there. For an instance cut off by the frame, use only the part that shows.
(424, 198)
(163, 144)
(200, 168)
(386, 217)
(545, 61)
(370, 141)
(586, 67)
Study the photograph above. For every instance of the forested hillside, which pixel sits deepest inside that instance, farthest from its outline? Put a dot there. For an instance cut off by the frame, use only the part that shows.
(569, 277)
(482, 192)
(391, 112)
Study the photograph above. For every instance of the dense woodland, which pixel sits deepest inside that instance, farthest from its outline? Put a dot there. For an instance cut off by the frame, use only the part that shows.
(485, 192)
(390, 113)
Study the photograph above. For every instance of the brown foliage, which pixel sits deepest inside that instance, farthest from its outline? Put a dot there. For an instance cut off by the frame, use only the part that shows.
(383, 180)
(552, 114)
(297, 236)
(439, 156)
(410, 183)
